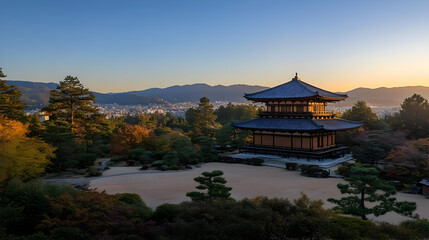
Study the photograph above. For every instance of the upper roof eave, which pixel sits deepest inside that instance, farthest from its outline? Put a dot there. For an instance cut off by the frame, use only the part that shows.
(294, 89)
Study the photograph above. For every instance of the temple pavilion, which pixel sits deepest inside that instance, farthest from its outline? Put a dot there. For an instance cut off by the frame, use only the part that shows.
(296, 123)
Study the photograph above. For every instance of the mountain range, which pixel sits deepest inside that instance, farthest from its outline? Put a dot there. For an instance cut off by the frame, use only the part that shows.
(36, 94)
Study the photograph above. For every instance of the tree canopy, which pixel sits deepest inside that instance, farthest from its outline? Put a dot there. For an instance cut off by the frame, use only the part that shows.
(362, 112)
(414, 116)
(72, 102)
(21, 156)
(365, 186)
(202, 119)
(10, 104)
(214, 184)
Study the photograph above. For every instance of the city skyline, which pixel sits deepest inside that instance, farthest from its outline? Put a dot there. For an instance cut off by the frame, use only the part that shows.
(117, 47)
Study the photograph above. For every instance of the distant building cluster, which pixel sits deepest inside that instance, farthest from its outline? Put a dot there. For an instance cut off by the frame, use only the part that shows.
(179, 109)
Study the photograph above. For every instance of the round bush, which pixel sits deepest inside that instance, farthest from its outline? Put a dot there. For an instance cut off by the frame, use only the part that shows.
(165, 213)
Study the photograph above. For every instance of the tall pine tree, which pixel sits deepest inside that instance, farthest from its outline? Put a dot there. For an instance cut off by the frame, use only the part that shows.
(72, 102)
(10, 104)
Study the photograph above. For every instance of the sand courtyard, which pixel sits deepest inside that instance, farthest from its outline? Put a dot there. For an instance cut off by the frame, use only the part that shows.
(157, 187)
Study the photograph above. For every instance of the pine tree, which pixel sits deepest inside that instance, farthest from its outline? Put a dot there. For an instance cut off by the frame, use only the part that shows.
(10, 104)
(72, 102)
(214, 184)
(202, 119)
(365, 186)
(362, 112)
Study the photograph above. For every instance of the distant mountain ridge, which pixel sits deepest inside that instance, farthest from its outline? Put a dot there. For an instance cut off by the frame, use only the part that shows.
(193, 93)
(36, 94)
(383, 96)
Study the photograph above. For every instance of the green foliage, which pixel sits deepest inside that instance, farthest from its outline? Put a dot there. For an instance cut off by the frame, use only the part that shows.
(116, 159)
(136, 153)
(214, 184)
(371, 147)
(10, 104)
(202, 119)
(174, 167)
(24, 205)
(58, 133)
(68, 233)
(291, 166)
(166, 213)
(313, 171)
(207, 152)
(158, 163)
(171, 158)
(365, 186)
(414, 116)
(144, 167)
(344, 171)
(93, 171)
(361, 112)
(135, 203)
(235, 113)
(260, 218)
(419, 227)
(71, 102)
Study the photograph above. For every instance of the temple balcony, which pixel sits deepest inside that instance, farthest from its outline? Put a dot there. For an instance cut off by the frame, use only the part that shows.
(297, 114)
(333, 152)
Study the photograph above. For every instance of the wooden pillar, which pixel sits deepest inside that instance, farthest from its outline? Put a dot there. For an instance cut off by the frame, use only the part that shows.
(311, 141)
(301, 140)
(274, 145)
(291, 140)
(253, 139)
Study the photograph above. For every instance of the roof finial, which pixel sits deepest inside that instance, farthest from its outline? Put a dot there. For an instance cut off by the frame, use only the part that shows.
(296, 75)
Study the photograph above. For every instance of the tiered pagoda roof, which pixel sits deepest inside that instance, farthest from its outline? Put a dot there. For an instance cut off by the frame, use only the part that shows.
(295, 89)
(296, 124)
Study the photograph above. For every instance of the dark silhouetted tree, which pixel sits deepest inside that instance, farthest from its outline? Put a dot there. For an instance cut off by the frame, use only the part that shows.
(202, 119)
(365, 186)
(361, 112)
(10, 104)
(414, 116)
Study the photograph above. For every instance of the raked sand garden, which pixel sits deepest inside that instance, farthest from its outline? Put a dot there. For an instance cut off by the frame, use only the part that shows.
(157, 187)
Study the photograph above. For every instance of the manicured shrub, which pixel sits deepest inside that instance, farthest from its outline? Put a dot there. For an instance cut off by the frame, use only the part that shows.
(344, 171)
(130, 198)
(291, 166)
(256, 161)
(158, 163)
(136, 153)
(165, 213)
(325, 173)
(116, 159)
(146, 159)
(174, 167)
(93, 171)
(144, 167)
(158, 155)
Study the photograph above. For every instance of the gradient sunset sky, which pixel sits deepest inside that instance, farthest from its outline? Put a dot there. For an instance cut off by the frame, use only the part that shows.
(115, 46)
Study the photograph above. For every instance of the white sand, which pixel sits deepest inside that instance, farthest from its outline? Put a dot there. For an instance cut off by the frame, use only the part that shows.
(246, 181)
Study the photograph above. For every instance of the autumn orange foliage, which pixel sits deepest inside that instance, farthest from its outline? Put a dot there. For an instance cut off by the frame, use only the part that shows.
(127, 138)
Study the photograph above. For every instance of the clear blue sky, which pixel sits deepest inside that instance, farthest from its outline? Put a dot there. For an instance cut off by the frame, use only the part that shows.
(115, 46)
